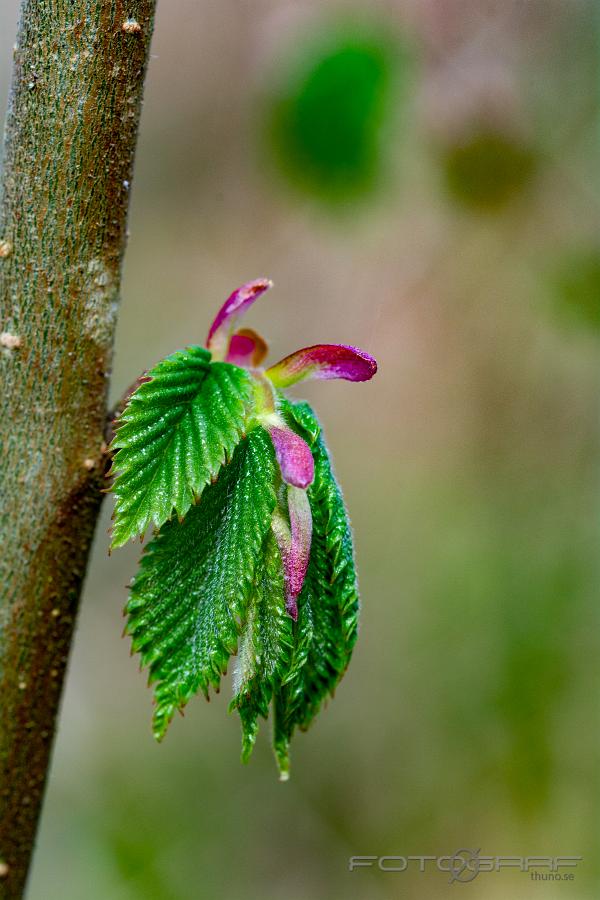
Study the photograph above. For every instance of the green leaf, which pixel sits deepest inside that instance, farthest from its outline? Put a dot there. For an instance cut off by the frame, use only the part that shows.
(214, 582)
(265, 645)
(175, 433)
(301, 418)
(326, 630)
(197, 577)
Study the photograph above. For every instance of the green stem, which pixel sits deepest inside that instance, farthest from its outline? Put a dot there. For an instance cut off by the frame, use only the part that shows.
(70, 139)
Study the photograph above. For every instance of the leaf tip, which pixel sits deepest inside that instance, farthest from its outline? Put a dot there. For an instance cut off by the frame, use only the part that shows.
(283, 761)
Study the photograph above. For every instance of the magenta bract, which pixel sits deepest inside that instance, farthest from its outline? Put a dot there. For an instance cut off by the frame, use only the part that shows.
(226, 319)
(323, 361)
(293, 455)
(294, 545)
(246, 349)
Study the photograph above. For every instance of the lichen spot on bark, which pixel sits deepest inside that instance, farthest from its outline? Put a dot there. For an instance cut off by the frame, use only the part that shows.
(100, 301)
(131, 26)
(9, 341)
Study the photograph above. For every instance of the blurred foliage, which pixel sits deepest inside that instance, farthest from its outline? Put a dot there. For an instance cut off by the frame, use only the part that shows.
(325, 124)
(487, 168)
(577, 289)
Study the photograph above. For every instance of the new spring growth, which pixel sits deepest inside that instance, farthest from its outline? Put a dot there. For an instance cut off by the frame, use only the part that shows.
(292, 522)
(252, 552)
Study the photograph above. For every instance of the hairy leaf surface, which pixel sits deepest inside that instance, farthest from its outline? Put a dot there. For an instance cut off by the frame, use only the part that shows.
(326, 630)
(265, 644)
(177, 430)
(197, 580)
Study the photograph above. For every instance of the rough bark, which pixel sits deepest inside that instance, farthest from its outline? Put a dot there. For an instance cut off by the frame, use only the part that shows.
(70, 138)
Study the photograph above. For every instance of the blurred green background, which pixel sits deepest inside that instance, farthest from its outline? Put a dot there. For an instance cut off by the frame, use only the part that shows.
(419, 178)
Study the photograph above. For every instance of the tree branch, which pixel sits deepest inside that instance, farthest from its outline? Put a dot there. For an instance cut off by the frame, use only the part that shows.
(70, 138)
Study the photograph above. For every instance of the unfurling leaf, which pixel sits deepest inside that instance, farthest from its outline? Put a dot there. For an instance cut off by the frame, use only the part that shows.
(265, 644)
(253, 555)
(328, 604)
(196, 578)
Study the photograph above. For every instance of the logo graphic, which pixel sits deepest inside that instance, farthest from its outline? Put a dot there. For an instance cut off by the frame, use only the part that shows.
(464, 865)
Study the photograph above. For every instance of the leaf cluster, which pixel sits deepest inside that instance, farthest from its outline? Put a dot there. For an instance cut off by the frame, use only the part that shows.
(192, 459)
